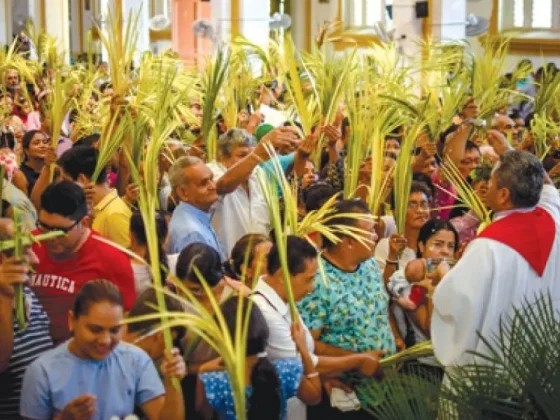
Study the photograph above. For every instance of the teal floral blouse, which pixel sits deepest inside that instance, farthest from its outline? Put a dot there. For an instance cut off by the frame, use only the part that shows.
(352, 309)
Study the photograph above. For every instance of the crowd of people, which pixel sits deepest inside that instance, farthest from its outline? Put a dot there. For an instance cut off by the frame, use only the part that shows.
(359, 298)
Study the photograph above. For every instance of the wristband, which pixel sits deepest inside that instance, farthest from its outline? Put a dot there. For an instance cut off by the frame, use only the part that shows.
(392, 262)
(312, 375)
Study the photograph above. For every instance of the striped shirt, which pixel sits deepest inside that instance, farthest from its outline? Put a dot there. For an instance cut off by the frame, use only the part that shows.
(28, 345)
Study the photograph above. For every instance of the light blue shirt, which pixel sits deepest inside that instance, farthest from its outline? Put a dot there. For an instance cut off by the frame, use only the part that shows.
(285, 161)
(126, 379)
(189, 225)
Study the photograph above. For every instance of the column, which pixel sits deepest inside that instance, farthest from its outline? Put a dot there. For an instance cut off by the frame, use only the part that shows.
(76, 27)
(449, 19)
(408, 28)
(6, 17)
(183, 40)
(255, 20)
(141, 7)
(57, 23)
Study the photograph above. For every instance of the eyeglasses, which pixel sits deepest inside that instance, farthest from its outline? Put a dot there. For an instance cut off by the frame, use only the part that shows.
(47, 228)
(415, 205)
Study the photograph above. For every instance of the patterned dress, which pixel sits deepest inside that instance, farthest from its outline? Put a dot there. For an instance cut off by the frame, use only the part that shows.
(350, 308)
(220, 395)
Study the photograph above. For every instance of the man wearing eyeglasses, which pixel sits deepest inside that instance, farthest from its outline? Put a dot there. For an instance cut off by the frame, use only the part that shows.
(66, 263)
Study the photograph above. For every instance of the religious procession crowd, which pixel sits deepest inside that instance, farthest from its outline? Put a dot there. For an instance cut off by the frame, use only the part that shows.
(221, 244)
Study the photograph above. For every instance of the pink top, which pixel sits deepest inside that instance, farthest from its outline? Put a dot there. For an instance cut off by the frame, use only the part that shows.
(444, 196)
(33, 121)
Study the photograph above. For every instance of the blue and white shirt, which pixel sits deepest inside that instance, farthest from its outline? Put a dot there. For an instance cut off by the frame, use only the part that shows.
(29, 344)
(220, 395)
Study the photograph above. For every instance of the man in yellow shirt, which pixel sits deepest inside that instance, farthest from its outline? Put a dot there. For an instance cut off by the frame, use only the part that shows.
(111, 215)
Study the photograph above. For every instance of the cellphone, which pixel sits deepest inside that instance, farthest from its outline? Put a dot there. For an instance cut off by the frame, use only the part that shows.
(432, 263)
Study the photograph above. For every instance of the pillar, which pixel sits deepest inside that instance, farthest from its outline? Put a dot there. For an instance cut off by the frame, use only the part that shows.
(254, 18)
(6, 17)
(408, 28)
(448, 19)
(183, 40)
(57, 23)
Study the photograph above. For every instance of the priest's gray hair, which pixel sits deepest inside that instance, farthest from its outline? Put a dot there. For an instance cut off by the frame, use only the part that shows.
(234, 137)
(176, 173)
(522, 173)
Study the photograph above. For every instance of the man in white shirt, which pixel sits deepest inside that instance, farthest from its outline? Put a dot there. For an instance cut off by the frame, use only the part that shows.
(513, 260)
(271, 297)
(244, 210)
(241, 208)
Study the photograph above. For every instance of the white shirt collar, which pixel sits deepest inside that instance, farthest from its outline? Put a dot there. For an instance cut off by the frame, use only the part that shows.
(271, 296)
(501, 214)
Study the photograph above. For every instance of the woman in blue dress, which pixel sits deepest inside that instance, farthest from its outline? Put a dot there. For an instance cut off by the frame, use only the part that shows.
(269, 384)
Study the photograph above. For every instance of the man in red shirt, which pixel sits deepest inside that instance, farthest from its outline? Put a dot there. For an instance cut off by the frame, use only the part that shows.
(67, 262)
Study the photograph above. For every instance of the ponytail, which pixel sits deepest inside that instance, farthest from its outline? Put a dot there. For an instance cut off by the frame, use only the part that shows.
(265, 401)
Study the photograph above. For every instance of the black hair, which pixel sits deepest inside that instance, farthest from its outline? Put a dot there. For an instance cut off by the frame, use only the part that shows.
(205, 259)
(7, 140)
(316, 195)
(139, 233)
(298, 251)
(345, 124)
(430, 228)
(66, 199)
(96, 291)
(88, 140)
(470, 145)
(265, 401)
(146, 304)
(426, 180)
(73, 116)
(344, 207)
(81, 160)
(104, 86)
(243, 252)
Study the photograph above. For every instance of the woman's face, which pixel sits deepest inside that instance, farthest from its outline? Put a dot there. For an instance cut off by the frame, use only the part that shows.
(38, 146)
(97, 332)
(418, 211)
(439, 245)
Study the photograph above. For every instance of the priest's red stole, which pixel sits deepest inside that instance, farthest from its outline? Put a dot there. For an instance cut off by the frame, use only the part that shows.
(530, 234)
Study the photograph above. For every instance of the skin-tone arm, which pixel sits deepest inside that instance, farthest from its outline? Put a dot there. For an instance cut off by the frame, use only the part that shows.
(310, 386)
(454, 148)
(202, 406)
(397, 244)
(153, 409)
(240, 172)
(6, 331)
(20, 181)
(43, 181)
(173, 367)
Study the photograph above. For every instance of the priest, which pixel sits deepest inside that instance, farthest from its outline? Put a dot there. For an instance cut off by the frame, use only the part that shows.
(516, 258)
